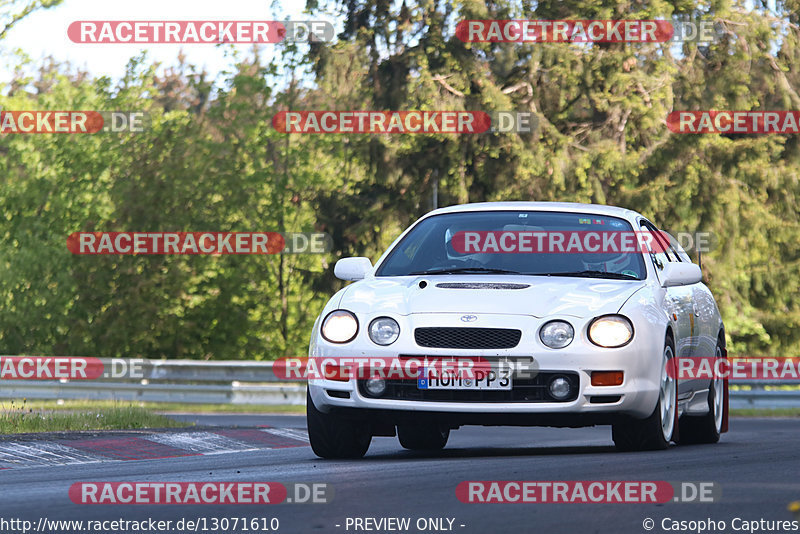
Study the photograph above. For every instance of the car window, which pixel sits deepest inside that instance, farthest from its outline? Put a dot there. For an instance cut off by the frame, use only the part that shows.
(658, 250)
(664, 241)
(676, 249)
(475, 241)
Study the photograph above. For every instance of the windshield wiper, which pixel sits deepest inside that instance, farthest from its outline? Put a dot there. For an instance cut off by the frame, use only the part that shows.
(465, 270)
(595, 274)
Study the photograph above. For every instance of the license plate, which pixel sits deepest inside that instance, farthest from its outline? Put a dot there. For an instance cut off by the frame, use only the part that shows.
(481, 379)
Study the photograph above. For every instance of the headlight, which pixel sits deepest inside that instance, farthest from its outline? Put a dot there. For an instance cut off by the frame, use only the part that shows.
(557, 334)
(340, 326)
(384, 331)
(610, 331)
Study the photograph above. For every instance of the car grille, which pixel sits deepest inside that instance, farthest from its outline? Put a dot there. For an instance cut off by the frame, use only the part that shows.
(523, 390)
(467, 338)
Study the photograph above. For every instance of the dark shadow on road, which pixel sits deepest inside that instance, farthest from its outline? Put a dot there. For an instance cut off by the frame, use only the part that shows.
(491, 452)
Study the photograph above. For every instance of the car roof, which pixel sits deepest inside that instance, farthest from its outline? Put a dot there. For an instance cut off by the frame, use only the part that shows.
(573, 207)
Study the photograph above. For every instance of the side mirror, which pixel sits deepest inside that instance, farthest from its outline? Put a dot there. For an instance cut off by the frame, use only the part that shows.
(352, 268)
(680, 274)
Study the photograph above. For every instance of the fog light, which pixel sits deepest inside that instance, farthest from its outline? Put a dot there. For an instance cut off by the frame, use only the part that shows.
(375, 386)
(560, 388)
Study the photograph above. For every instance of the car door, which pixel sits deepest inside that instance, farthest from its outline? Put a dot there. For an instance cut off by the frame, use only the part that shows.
(704, 312)
(702, 322)
(706, 317)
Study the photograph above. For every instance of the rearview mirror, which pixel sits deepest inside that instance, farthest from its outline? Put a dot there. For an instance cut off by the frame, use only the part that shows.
(352, 269)
(680, 274)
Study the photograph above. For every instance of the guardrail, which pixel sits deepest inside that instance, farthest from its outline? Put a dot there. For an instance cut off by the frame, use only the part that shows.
(244, 382)
(759, 397)
(186, 381)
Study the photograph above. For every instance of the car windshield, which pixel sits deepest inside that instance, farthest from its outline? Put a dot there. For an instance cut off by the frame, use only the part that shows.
(519, 243)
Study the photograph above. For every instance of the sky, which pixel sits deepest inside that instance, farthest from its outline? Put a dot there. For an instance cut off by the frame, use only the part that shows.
(44, 33)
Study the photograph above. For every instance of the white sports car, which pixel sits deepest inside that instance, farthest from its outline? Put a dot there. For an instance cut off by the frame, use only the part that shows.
(573, 326)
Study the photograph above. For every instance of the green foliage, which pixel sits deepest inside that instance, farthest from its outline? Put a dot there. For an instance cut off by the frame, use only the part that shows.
(212, 161)
(212, 167)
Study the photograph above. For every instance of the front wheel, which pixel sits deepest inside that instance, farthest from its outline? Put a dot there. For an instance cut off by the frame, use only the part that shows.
(333, 436)
(706, 428)
(655, 432)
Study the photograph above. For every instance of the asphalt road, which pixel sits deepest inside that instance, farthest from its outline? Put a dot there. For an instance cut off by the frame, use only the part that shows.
(756, 465)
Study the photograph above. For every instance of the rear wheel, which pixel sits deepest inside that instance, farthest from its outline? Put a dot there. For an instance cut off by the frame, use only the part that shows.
(655, 432)
(425, 437)
(706, 428)
(334, 437)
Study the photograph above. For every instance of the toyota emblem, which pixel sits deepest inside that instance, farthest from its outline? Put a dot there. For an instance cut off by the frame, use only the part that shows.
(469, 318)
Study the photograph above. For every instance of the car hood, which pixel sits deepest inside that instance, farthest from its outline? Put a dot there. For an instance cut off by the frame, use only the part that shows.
(538, 296)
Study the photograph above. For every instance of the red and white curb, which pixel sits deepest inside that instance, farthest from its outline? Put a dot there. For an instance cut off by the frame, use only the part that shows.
(144, 445)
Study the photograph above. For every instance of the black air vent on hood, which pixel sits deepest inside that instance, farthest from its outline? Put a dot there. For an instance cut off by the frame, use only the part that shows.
(481, 285)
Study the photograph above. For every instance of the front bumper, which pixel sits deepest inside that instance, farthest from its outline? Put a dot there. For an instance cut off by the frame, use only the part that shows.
(640, 361)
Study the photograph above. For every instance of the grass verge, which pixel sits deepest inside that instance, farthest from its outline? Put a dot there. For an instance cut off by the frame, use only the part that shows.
(779, 412)
(159, 407)
(21, 417)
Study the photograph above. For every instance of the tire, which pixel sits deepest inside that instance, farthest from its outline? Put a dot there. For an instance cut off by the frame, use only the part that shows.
(427, 437)
(706, 428)
(655, 432)
(334, 437)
